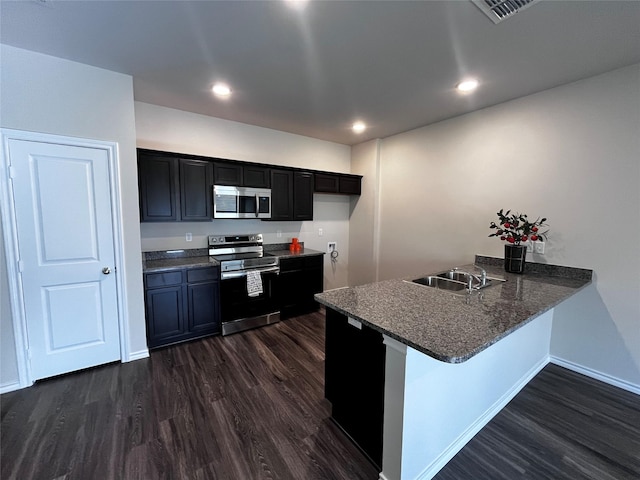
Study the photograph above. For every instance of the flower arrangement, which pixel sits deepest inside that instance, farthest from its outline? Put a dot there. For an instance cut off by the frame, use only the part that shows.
(515, 228)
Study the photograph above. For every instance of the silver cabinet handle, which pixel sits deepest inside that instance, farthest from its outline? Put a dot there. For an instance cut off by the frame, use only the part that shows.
(106, 270)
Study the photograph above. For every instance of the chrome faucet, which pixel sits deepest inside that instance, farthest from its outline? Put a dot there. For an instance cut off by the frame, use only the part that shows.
(483, 275)
(481, 280)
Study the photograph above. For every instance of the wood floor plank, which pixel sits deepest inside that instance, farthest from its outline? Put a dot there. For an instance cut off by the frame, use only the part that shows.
(251, 406)
(562, 425)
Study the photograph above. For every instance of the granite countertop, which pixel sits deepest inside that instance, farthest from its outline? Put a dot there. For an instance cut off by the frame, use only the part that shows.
(285, 253)
(177, 263)
(455, 327)
(199, 257)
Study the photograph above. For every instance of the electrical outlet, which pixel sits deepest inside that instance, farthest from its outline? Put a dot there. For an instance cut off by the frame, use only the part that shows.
(188, 237)
(279, 233)
(538, 247)
(332, 247)
(320, 232)
(529, 245)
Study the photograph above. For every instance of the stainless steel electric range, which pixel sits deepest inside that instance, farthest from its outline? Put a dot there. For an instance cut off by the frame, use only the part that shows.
(248, 287)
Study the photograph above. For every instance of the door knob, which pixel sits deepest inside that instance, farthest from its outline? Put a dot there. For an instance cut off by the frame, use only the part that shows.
(106, 270)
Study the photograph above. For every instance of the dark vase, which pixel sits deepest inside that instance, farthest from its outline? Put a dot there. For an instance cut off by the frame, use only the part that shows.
(514, 258)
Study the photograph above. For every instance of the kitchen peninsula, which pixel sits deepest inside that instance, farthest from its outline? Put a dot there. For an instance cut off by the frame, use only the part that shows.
(439, 365)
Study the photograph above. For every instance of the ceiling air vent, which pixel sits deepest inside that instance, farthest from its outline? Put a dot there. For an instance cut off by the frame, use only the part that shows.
(499, 10)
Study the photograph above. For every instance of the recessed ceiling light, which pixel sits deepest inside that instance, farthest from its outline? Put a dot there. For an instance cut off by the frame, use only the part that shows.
(359, 127)
(467, 85)
(221, 90)
(296, 4)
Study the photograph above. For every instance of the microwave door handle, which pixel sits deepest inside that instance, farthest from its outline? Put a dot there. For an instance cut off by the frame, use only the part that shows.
(257, 204)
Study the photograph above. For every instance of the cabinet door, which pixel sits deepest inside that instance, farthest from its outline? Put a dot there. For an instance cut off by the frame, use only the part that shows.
(227, 173)
(351, 185)
(354, 381)
(158, 187)
(258, 177)
(196, 190)
(281, 194)
(302, 196)
(326, 183)
(300, 279)
(204, 307)
(165, 315)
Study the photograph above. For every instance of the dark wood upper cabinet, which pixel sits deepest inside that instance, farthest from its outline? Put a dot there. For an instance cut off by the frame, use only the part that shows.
(302, 196)
(158, 187)
(291, 195)
(350, 184)
(337, 183)
(173, 189)
(236, 174)
(255, 176)
(326, 183)
(196, 178)
(227, 173)
(281, 194)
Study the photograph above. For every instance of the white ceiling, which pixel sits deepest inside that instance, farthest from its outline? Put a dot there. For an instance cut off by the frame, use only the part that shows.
(313, 71)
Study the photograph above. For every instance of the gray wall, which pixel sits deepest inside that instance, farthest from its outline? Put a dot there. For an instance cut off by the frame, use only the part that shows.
(45, 94)
(571, 154)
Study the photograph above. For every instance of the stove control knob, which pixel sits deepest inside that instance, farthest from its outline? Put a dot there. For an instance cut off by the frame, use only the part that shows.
(214, 240)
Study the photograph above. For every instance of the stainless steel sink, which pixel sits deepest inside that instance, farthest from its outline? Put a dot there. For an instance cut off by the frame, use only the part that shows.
(456, 281)
(440, 283)
(456, 275)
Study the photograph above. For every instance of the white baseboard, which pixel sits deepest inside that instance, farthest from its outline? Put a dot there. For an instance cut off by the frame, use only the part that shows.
(473, 429)
(616, 382)
(10, 387)
(139, 355)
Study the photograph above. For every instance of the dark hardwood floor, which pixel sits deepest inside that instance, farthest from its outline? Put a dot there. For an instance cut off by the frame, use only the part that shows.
(561, 426)
(250, 406)
(247, 406)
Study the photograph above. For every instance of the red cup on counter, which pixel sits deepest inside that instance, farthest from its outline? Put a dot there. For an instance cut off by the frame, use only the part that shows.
(294, 246)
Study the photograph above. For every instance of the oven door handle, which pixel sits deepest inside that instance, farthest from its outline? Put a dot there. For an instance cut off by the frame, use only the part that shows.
(243, 273)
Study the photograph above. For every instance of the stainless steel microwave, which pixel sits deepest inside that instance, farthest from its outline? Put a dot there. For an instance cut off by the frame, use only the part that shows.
(241, 202)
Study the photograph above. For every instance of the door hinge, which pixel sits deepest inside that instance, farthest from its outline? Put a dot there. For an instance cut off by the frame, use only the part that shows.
(20, 266)
(12, 172)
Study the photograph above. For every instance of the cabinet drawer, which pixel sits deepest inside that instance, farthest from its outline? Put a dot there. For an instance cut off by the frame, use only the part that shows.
(203, 274)
(153, 280)
(300, 263)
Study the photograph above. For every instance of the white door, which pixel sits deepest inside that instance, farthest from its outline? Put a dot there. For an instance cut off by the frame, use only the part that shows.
(66, 247)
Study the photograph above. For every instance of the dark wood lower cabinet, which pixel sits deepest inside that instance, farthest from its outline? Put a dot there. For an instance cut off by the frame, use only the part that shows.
(182, 305)
(354, 382)
(300, 279)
